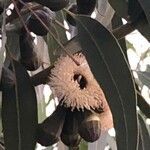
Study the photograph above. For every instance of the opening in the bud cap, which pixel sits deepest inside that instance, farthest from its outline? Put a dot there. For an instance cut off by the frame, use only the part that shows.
(81, 80)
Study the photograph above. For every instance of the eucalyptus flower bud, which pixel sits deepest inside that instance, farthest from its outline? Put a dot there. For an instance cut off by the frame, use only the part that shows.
(50, 129)
(89, 125)
(70, 135)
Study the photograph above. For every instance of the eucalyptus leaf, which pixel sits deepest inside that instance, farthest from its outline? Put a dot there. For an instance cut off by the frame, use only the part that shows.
(83, 145)
(120, 7)
(134, 9)
(143, 105)
(4, 1)
(145, 5)
(144, 77)
(117, 22)
(72, 46)
(148, 66)
(13, 44)
(2, 147)
(59, 33)
(140, 145)
(111, 71)
(143, 27)
(144, 133)
(2, 52)
(145, 55)
(19, 111)
(104, 13)
(130, 45)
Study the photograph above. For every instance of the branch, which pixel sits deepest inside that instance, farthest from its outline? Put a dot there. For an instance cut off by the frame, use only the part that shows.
(14, 16)
(127, 28)
(50, 32)
(123, 30)
(37, 79)
(20, 16)
(119, 32)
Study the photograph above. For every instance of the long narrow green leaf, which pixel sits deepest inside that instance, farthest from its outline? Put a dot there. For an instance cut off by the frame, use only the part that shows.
(19, 112)
(110, 69)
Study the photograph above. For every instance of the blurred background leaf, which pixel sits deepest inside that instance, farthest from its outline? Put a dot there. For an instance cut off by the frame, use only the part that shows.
(59, 33)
